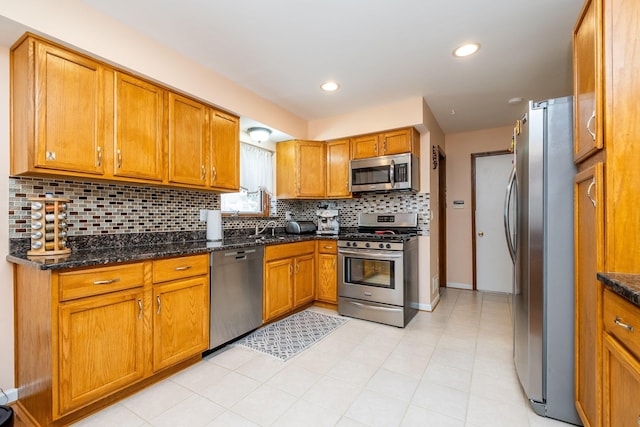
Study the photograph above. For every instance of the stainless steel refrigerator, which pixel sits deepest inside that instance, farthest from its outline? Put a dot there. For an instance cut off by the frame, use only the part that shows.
(539, 231)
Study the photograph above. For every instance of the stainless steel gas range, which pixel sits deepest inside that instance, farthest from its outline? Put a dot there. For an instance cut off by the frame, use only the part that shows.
(378, 269)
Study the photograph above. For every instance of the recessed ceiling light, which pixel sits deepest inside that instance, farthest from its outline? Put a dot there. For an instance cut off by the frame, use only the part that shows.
(329, 86)
(515, 100)
(466, 49)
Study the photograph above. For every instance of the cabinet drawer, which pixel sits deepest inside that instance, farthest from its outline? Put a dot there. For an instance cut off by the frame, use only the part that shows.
(327, 246)
(96, 281)
(622, 320)
(165, 270)
(289, 250)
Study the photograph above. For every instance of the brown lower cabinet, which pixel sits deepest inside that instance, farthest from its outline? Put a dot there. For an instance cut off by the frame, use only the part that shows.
(327, 277)
(289, 278)
(84, 335)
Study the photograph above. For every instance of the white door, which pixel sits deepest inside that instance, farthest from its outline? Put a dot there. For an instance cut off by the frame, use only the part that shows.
(494, 268)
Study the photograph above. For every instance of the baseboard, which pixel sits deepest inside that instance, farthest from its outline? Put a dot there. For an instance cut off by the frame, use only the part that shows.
(459, 286)
(430, 307)
(12, 395)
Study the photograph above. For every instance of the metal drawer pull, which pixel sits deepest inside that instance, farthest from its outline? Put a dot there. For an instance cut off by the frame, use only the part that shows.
(624, 325)
(158, 299)
(183, 268)
(139, 309)
(328, 247)
(593, 182)
(374, 307)
(106, 282)
(592, 133)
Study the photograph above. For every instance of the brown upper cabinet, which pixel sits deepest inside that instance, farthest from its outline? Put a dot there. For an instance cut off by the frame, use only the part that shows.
(385, 143)
(94, 121)
(587, 80)
(338, 157)
(138, 111)
(187, 141)
(64, 134)
(225, 151)
(300, 169)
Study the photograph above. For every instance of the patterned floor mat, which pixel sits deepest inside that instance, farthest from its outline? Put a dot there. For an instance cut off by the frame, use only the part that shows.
(288, 337)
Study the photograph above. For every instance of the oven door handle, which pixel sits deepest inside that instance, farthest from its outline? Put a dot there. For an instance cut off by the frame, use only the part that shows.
(374, 307)
(373, 254)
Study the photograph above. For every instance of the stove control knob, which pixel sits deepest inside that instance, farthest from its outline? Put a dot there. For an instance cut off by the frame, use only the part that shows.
(381, 245)
(367, 245)
(388, 245)
(348, 244)
(354, 244)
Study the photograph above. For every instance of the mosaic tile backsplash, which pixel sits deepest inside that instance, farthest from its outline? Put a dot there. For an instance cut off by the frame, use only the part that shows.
(98, 208)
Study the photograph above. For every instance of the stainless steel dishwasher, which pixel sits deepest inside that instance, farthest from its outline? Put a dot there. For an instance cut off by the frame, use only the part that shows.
(236, 293)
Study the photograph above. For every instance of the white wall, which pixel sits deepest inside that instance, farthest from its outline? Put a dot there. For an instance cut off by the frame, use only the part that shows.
(6, 271)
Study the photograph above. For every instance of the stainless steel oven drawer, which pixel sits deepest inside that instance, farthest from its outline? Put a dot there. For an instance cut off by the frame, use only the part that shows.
(373, 311)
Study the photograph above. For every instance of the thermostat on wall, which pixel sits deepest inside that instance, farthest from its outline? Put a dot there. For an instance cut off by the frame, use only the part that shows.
(458, 204)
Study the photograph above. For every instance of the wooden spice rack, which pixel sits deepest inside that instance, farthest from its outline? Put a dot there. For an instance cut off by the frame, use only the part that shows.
(48, 226)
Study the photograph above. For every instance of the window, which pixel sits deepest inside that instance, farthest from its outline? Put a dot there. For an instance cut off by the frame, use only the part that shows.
(256, 181)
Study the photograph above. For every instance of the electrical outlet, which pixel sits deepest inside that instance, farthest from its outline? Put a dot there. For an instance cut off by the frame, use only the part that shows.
(203, 214)
(287, 215)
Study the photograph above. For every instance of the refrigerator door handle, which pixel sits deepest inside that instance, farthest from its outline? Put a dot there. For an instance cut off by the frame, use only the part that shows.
(511, 186)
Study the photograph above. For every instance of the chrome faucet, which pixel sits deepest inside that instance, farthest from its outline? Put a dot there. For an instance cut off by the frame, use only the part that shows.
(271, 223)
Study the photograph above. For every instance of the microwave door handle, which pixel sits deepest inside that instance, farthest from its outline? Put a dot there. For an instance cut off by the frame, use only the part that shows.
(392, 173)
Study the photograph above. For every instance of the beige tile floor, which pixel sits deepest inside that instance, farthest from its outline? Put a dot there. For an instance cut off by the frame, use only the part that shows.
(451, 367)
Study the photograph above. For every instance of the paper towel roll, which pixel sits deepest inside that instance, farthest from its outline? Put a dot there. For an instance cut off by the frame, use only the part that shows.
(214, 225)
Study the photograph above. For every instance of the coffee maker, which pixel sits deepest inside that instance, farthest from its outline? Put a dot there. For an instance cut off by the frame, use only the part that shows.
(327, 221)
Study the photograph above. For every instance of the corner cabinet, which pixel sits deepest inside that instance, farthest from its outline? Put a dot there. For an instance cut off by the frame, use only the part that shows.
(289, 278)
(300, 169)
(85, 337)
(58, 111)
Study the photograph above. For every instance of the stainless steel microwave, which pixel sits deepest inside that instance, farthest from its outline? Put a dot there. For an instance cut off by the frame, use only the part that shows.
(385, 173)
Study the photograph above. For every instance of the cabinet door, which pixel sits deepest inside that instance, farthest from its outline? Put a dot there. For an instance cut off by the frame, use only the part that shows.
(364, 146)
(338, 156)
(305, 280)
(311, 169)
(278, 288)
(187, 143)
(327, 289)
(587, 81)
(100, 347)
(138, 122)
(180, 321)
(396, 142)
(622, 48)
(225, 151)
(621, 384)
(589, 243)
(70, 111)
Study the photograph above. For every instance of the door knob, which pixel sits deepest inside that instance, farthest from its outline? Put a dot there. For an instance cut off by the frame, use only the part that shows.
(481, 233)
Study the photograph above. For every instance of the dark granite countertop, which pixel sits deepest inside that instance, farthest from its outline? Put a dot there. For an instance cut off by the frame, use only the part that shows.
(97, 254)
(625, 285)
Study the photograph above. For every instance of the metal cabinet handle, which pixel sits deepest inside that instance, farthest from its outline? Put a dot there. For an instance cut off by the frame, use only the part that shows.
(159, 305)
(618, 322)
(593, 182)
(186, 267)
(328, 247)
(297, 268)
(592, 133)
(139, 309)
(214, 173)
(119, 159)
(106, 282)
(203, 173)
(375, 148)
(290, 269)
(99, 156)
(384, 146)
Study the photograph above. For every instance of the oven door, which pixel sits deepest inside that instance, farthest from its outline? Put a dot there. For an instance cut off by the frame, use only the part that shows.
(371, 275)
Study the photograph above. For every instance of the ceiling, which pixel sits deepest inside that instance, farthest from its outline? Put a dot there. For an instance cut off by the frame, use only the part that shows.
(380, 51)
